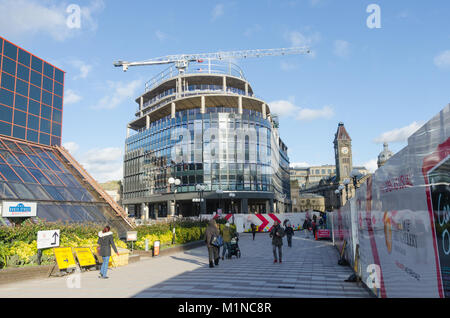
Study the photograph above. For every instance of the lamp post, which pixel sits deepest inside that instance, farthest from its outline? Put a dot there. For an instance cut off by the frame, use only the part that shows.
(176, 182)
(220, 192)
(346, 183)
(200, 189)
(338, 192)
(232, 195)
(354, 175)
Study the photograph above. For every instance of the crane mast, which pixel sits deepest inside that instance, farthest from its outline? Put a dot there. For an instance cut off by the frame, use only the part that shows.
(182, 61)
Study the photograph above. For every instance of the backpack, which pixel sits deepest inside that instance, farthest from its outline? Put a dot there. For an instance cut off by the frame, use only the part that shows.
(217, 241)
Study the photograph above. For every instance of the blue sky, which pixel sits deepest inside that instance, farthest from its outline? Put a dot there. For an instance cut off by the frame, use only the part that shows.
(383, 83)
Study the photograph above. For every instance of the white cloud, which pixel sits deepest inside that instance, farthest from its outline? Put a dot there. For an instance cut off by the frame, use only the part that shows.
(299, 165)
(217, 12)
(371, 165)
(119, 92)
(31, 17)
(288, 108)
(71, 146)
(282, 108)
(104, 164)
(70, 97)
(160, 35)
(308, 114)
(399, 134)
(299, 39)
(443, 60)
(82, 67)
(341, 48)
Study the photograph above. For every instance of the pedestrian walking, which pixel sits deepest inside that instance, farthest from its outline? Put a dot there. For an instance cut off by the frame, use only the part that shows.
(253, 226)
(105, 242)
(213, 251)
(277, 233)
(289, 233)
(227, 234)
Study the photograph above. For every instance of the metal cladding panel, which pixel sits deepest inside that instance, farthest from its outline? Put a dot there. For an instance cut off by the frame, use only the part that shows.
(400, 218)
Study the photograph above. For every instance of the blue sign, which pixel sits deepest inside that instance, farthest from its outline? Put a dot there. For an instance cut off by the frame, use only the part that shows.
(19, 208)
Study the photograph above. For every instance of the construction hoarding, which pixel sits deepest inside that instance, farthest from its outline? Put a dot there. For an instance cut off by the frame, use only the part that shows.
(400, 218)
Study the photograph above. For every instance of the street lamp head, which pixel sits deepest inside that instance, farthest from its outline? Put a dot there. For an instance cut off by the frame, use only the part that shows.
(219, 191)
(336, 191)
(177, 182)
(341, 187)
(354, 173)
(346, 181)
(171, 180)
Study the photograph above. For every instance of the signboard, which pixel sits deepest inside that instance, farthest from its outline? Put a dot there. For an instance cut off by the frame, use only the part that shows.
(18, 209)
(198, 200)
(64, 257)
(84, 256)
(47, 239)
(323, 234)
(131, 236)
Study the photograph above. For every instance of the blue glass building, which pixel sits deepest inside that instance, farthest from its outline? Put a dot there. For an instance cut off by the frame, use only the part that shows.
(34, 168)
(204, 127)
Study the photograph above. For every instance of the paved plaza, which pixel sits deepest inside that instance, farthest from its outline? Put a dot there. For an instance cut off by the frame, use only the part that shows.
(309, 269)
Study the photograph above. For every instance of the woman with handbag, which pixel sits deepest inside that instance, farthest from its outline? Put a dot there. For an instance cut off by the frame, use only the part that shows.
(105, 242)
(211, 235)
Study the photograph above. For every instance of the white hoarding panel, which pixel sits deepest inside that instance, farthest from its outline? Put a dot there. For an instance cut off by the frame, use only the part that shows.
(18, 209)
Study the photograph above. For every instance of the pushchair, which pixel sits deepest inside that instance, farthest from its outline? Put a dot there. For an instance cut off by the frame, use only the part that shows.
(234, 250)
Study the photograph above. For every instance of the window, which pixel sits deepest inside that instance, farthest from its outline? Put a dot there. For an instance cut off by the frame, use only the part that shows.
(35, 93)
(10, 50)
(59, 76)
(34, 107)
(44, 139)
(7, 81)
(24, 57)
(32, 135)
(9, 66)
(22, 87)
(48, 70)
(23, 72)
(6, 97)
(21, 102)
(36, 78)
(20, 118)
(47, 98)
(5, 128)
(19, 132)
(48, 84)
(58, 89)
(36, 64)
(57, 116)
(33, 122)
(46, 112)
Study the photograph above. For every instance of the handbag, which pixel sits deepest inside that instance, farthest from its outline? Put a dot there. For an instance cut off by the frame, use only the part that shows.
(217, 241)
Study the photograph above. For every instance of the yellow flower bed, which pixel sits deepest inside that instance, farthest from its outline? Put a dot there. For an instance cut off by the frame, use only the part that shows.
(163, 238)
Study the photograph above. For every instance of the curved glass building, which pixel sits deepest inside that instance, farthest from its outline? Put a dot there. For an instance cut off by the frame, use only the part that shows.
(206, 128)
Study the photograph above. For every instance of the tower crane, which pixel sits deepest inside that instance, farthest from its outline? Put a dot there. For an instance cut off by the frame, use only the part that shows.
(182, 61)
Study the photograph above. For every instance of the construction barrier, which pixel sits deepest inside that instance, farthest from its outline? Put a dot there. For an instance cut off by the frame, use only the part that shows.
(264, 222)
(396, 228)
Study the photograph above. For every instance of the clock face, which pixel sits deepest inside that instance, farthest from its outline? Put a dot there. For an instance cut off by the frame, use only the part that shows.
(344, 150)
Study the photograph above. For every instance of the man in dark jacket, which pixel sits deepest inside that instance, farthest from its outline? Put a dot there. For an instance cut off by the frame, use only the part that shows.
(213, 251)
(253, 226)
(105, 242)
(289, 233)
(277, 233)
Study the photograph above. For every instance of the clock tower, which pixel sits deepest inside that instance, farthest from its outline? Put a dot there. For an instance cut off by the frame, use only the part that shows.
(343, 153)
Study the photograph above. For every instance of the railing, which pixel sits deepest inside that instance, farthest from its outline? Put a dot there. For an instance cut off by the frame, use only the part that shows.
(191, 90)
(196, 68)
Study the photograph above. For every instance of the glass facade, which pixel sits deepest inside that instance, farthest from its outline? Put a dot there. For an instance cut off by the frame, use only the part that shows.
(31, 96)
(218, 156)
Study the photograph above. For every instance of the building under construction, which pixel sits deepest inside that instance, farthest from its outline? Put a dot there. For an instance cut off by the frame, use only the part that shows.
(203, 142)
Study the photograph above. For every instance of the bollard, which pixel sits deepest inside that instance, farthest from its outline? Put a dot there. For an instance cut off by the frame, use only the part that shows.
(146, 245)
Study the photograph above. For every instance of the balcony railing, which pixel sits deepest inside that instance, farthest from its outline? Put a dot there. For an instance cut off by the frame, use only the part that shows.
(191, 90)
(225, 68)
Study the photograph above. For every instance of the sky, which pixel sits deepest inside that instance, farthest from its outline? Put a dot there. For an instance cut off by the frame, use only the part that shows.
(383, 72)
